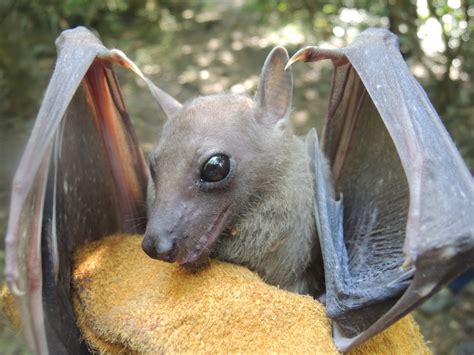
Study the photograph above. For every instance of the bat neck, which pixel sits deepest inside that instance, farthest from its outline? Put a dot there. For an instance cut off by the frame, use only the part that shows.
(278, 233)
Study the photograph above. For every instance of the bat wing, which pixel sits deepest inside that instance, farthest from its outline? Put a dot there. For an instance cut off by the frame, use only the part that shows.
(403, 226)
(82, 176)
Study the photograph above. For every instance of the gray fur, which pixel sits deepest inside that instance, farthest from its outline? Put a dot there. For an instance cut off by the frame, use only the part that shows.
(262, 211)
(275, 236)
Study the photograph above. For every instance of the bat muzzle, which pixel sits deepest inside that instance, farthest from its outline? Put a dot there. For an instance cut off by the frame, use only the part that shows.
(189, 246)
(165, 249)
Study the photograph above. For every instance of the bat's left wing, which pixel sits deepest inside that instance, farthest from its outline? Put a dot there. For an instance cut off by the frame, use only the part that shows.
(82, 176)
(404, 226)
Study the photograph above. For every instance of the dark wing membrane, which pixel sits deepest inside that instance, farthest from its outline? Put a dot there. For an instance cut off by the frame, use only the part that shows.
(407, 195)
(363, 253)
(369, 175)
(82, 176)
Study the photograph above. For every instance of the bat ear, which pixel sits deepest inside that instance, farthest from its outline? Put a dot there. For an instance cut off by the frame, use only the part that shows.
(168, 103)
(273, 99)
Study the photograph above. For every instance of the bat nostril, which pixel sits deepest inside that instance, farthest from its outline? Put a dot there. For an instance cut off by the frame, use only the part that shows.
(167, 249)
(149, 248)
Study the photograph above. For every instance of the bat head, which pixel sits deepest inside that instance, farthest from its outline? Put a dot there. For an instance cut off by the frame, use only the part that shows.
(216, 157)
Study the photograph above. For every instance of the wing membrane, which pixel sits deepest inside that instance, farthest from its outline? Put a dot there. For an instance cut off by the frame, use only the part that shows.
(82, 176)
(406, 193)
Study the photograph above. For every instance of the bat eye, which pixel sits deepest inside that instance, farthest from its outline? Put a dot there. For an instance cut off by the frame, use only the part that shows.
(216, 168)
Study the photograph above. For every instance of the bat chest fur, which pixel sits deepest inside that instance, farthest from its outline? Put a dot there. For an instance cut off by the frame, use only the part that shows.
(276, 236)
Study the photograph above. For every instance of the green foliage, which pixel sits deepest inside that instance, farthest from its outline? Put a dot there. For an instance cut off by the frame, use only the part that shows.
(27, 28)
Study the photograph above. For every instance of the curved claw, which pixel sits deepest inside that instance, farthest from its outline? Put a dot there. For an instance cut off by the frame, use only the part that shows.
(314, 54)
(301, 55)
(12, 284)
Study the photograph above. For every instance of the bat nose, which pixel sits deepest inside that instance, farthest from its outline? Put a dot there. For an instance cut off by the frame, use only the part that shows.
(161, 248)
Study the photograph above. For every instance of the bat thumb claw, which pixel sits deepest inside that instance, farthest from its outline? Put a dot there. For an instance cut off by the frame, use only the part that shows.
(406, 263)
(314, 54)
(298, 56)
(13, 286)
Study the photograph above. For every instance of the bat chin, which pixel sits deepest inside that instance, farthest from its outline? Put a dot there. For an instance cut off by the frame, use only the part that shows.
(196, 255)
(195, 263)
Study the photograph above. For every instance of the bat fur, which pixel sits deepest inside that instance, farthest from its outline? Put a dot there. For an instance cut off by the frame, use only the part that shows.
(263, 213)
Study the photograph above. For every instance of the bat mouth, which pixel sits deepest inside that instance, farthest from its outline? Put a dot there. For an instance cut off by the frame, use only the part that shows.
(198, 255)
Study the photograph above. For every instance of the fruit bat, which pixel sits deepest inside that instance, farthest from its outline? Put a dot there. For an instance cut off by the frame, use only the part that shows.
(393, 216)
(230, 180)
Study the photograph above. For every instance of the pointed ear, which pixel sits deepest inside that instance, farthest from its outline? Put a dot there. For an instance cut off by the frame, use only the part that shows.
(273, 99)
(168, 104)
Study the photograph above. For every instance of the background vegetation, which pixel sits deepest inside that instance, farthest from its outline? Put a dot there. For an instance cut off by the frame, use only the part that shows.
(192, 48)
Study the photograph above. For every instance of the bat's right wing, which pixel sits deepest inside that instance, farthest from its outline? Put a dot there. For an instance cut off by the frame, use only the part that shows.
(404, 225)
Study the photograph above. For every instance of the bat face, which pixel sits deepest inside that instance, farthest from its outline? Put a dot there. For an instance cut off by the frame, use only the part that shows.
(216, 157)
(211, 161)
(228, 178)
